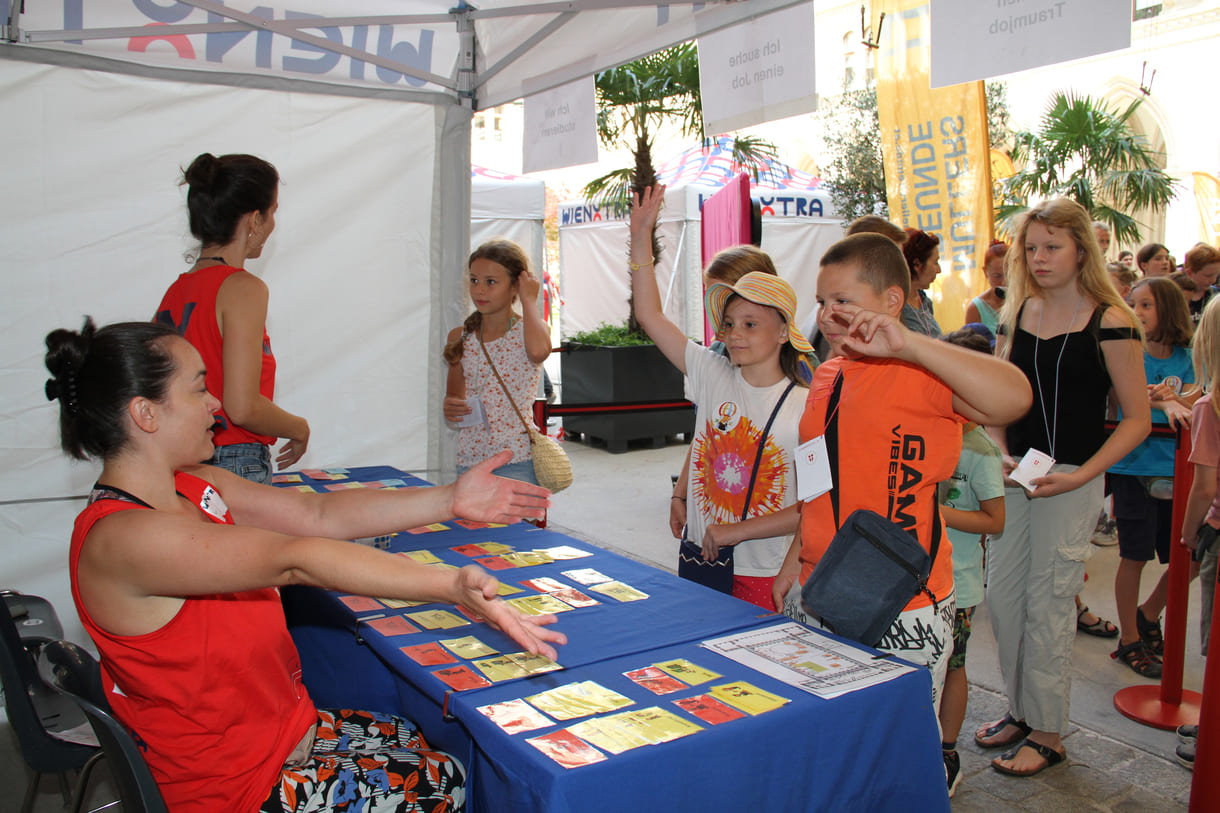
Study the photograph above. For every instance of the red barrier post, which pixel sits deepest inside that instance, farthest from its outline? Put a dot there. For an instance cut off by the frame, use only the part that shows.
(1205, 784)
(1168, 706)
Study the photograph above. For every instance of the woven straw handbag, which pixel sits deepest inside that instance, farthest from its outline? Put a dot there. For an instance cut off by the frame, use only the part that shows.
(552, 468)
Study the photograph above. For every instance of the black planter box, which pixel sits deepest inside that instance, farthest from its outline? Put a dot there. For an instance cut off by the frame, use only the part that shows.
(595, 375)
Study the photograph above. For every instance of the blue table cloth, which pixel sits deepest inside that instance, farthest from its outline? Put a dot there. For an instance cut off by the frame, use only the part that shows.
(875, 749)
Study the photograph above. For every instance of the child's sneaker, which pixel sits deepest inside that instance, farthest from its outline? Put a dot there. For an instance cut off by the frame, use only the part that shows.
(953, 771)
(1186, 755)
(1188, 733)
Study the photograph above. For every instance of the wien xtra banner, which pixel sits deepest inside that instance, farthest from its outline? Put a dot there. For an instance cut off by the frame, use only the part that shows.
(936, 154)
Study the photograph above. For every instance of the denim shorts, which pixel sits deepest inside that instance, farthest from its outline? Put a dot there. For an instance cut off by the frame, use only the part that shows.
(249, 460)
(522, 470)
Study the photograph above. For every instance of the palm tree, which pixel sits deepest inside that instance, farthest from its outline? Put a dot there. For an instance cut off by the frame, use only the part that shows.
(634, 101)
(1089, 153)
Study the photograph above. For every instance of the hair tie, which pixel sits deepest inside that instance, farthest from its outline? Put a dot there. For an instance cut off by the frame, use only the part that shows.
(63, 387)
(52, 389)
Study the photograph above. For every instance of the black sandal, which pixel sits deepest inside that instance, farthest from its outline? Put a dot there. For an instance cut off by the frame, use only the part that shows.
(1137, 655)
(1049, 754)
(993, 730)
(1150, 633)
(1101, 627)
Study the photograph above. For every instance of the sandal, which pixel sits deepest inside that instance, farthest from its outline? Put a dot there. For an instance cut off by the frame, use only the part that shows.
(1050, 755)
(986, 737)
(1137, 655)
(1101, 627)
(1150, 633)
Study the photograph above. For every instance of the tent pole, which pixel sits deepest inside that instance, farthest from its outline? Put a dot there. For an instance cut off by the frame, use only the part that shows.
(12, 29)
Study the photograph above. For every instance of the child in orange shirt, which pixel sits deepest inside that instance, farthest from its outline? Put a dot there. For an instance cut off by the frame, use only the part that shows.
(895, 432)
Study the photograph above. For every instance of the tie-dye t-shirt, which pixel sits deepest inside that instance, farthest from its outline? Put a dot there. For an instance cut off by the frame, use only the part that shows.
(728, 425)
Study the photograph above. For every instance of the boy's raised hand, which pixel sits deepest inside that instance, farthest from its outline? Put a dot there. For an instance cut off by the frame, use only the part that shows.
(645, 209)
(870, 333)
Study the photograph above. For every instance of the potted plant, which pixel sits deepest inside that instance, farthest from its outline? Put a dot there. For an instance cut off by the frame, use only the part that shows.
(613, 364)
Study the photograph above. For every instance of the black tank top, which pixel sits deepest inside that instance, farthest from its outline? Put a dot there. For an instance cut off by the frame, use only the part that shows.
(1080, 385)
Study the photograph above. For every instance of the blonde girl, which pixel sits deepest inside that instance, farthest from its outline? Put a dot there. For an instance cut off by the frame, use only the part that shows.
(496, 339)
(1066, 328)
(1142, 481)
(737, 396)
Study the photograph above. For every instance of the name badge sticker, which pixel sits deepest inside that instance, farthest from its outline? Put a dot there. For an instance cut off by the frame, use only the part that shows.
(212, 503)
(813, 478)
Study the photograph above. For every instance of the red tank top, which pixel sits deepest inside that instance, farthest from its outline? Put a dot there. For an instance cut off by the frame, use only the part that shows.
(214, 698)
(189, 306)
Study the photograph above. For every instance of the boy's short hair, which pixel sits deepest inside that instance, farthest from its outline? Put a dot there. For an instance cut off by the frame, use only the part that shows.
(878, 259)
(877, 225)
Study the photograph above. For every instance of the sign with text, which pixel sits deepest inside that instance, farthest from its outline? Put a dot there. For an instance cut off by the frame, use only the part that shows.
(561, 127)
(758, 71)
(937, 163)
(978, 39)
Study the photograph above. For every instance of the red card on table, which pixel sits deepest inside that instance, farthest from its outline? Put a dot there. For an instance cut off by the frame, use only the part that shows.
(471, 550)
(461, 678)
(428, 654)
(567, 749)
(709, 709)
(494, 562)
(655, 681)
(394, 625)
(469, 613)
(361, 604)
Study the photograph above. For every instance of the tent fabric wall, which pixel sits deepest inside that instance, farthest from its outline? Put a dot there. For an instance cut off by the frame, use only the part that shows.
(99, 228)
(503, 205)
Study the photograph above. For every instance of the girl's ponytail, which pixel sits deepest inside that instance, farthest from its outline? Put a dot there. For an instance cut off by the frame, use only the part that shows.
(453, 350)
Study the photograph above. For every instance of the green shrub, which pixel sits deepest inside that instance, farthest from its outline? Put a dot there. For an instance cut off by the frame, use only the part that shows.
(606, 335)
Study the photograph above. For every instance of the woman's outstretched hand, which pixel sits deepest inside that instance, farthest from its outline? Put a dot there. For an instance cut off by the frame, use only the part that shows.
(478, 494)
(479, 593)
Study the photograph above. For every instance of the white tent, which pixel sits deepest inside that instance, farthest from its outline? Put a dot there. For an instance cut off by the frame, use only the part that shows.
(364, 107)
(798, 226)
(503, 205)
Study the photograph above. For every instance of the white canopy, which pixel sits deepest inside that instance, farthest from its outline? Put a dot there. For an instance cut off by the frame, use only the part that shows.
(365, 109)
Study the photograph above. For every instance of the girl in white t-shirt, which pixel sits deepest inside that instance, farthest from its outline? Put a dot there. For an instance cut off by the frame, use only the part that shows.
(515, 344)
(736, 397)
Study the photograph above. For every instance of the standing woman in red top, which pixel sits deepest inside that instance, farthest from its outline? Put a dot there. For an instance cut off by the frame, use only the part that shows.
(221, 309)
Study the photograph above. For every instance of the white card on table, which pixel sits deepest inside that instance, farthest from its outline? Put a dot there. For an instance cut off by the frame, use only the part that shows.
(812, 469)
(1035, 464)
(477, 416)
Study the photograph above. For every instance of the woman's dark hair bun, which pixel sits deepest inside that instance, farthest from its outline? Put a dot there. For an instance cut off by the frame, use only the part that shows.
(202, 171)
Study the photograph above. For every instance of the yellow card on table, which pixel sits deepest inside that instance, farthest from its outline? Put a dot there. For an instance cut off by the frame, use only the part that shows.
(424, 557)
(662, 725)
(437, 619)
(496, 548)
(534, 664)
(507, 590)
(500, 668)
(539, 605)
(615, 733)
(468, 647)
(619, 591)
(747, 697)
(400, 603)
(686, 671)
(306, 489)
(526, 558)
(574, 700)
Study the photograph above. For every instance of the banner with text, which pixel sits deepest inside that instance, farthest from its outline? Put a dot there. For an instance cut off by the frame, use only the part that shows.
(561, 127)
(978, 39)
(758, 71)
(935, 151)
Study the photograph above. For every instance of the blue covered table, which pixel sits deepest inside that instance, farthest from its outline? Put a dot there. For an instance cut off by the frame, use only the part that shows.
(869, 750)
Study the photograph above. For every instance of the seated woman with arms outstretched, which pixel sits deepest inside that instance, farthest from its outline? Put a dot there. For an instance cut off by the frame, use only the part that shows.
(175, 566)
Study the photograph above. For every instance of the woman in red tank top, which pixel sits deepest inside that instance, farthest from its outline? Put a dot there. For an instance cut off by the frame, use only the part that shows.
(173, 566)
(221, 309)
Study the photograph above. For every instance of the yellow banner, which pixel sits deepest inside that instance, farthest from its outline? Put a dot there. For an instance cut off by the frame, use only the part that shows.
(936, 154)
(1207, 198)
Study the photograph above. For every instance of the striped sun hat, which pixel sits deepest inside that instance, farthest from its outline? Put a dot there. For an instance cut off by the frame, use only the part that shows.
(761, 289)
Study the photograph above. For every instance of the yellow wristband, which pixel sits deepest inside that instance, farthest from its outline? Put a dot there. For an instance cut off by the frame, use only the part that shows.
(634, 267)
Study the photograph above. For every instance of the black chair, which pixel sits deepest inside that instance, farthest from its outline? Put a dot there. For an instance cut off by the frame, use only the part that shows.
(33, 708)
(75, 673)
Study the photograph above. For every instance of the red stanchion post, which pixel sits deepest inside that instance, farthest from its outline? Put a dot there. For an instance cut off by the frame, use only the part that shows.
(1205, 784)
(1168, 706)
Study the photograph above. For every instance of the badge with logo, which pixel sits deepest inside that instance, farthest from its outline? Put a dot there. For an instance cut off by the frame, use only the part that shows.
(212, 503)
